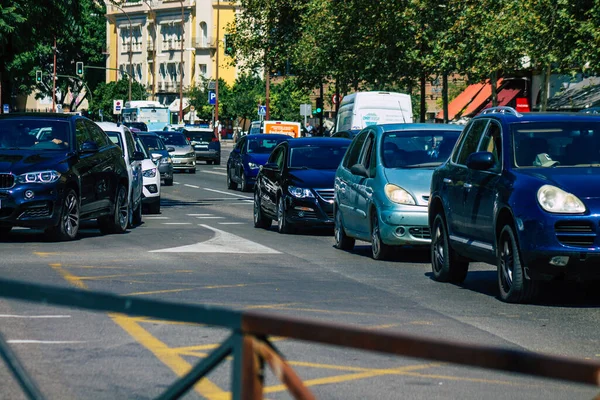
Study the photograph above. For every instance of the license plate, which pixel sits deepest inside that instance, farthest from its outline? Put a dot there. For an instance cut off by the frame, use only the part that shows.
(176, 161)
(201, 147)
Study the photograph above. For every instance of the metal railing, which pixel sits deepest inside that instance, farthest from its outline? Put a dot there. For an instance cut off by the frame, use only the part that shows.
(251, 349)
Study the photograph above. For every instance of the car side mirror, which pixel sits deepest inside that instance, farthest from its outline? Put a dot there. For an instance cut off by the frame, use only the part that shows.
(360, 170)
(156, 156)
(481, 160)
(138, 156)
(271, 166)
(170, 149)
(89, 147)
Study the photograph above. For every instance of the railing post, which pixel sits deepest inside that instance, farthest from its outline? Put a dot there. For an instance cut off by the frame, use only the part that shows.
(248, 369)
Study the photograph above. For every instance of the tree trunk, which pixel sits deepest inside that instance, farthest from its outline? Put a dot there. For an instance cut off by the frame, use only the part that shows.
(423, 108)
(494, 83)
(445, 96)
(544, 92)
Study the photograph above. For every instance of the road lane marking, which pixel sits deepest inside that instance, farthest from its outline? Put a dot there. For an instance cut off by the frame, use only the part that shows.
(220, 168)
(215, 173)
(192, 186)
(160, 350)
(227, 193)
(177, 223)
(222, 242)
(33, 316)
(198, 215)
(207, 217)
(196, 288)
(232, 223)
(44, 254)
(95, 278)
(27, 341)
(176, 183)
(151, 217)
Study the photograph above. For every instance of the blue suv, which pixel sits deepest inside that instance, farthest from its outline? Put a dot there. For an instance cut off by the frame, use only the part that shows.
(522, 192)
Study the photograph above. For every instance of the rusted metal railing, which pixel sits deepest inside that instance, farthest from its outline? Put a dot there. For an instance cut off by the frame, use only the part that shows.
(251, 349)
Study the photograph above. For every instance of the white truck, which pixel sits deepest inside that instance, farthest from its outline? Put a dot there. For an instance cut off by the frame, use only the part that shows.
(361, 109)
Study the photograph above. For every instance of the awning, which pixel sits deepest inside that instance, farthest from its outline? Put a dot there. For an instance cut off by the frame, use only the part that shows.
(174, 106)
(461, 101)
(505, 96)
(170, 22)
(125, 25)
(482, 97)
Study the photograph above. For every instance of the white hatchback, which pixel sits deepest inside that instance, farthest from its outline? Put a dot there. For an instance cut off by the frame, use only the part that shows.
(122, 136)
(151, 189)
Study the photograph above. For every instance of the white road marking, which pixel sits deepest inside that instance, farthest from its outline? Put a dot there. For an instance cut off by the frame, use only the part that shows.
(192, 186)
(176, 183)
(33, 316)
(177, 223)
(232, 223)
(152, 217)
(26, 341)
(221, 168)
(222, 242)
(215, 173)
(207, 217)
(227, 193)
(198, 215)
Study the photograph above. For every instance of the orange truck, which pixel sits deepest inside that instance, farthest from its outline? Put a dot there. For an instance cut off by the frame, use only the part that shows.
(282, 127)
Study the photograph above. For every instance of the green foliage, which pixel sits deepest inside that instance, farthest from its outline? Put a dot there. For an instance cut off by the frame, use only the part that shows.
(105, 93)
(286, 98)
(198, 96)
(247, 93)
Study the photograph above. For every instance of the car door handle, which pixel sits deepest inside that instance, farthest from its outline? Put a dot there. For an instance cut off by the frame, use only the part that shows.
(467, 186)
(447, 180)
(369, 191)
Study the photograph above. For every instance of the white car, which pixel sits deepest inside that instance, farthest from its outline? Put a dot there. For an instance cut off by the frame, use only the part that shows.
(122, 136)
(151, 175)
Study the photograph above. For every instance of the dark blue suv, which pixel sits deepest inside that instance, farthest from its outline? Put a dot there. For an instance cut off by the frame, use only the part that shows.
(522, 192)
(57, 170)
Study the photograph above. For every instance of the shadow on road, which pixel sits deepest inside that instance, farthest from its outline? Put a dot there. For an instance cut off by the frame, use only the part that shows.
(404, 254)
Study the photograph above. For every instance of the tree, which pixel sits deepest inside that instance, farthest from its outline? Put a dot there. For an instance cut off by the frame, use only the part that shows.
(286, 99)
(247, 93)
(106, 93)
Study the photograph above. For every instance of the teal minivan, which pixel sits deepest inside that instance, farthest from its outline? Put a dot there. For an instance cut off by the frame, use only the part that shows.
(382, 185)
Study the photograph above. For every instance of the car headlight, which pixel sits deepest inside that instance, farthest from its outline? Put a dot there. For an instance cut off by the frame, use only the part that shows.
(149, 173)
(398, 195)
(39, 177)
(252, 165)
(299, 192)
(556, 200)
(188, 155)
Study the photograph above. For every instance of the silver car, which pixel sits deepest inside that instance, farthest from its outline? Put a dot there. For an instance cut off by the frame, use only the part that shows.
(183, 155)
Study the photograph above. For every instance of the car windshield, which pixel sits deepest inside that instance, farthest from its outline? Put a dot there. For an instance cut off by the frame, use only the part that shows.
(424, 148)
(556, 144)
(116, 138)
(263, 145)
(34, 134)
(317, 156)
(153, 143)
(199, 136)
(175, 140)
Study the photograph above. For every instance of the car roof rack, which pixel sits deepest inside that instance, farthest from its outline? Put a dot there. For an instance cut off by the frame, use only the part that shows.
(502, 110)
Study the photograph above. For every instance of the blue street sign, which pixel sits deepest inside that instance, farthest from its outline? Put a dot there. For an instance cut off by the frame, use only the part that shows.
(262, 110)
(212, 97)
(5, 108)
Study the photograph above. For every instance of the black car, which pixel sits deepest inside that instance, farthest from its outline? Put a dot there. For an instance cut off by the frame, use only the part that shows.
(206, 144)
(57, 170)
(159, 152)
(137, 125)
(349, 134)
(295, 186)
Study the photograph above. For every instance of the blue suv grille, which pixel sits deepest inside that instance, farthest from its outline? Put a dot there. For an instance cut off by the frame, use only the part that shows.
(575, 233)
(7, 181)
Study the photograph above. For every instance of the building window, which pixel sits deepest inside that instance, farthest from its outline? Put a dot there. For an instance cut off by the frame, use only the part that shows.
(204, 35)
(202, 69)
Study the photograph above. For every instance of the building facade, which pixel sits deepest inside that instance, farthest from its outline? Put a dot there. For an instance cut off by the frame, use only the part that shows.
(168, 45)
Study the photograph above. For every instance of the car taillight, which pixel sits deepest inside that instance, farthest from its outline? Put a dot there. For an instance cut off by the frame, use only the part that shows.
(214, 139)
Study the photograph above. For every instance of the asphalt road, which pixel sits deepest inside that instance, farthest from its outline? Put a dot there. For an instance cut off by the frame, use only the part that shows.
(203, 249)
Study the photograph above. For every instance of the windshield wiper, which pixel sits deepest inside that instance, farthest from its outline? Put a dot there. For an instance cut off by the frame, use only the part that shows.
(424, 165)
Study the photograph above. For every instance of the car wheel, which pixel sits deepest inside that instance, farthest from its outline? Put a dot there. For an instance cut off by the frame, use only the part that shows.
(342, 241)
(218, 162)
(282, 225)
(209, 162)
(116, 223)
(137, 215)
(68, 225)
(193, 171)
(169, 182)
(154, 208)
(379, 250)
(445, 264)
(260, 220)
(230, 184)
(244, 187)
(514, 287)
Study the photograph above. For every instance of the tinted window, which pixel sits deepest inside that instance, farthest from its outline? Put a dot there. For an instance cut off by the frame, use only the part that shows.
(36, 133)
(423, 148)
(96, 133)
(116, 138)
(263, 145)
(471, 140)
(317, 156)
(153, 143)
(129, 142)
(199, 136)
(492, 142)
(369, 158)
(277, 157)
(141, 147)
(354, 152)
(81, 133)
(174, 140)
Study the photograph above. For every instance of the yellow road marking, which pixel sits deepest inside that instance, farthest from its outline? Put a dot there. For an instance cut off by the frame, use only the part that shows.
(163, 322)
(194, 288)
(384, 326)
(267, 306)
(316, 310)
(160, 350)
(362, 369)
(44, 253)
(94, 278)
(96, 267)
(165, 354)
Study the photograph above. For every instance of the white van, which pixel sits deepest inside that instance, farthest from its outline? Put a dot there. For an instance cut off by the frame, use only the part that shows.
(361, 109)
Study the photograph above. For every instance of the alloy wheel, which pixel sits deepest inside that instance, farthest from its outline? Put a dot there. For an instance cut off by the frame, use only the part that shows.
(71, 216)
(506, 264)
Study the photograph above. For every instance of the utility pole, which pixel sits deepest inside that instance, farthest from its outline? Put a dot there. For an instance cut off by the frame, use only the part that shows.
(130, 48)
(54, 80)
(154, 74)
(321, 128)
(216, 117)
(181, 65)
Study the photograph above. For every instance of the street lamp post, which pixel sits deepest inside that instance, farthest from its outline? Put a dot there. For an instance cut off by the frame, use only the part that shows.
(216, 123)
(130, 49)
(181, 65)
(154, 75)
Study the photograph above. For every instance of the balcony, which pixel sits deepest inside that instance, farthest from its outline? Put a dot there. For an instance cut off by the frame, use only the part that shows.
(204, 43)
(167, 87)
(134, 6)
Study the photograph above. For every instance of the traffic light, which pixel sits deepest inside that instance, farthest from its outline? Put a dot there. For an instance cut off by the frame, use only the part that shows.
(38, 76)
(79, 68)
(319, 108)
(228, 44)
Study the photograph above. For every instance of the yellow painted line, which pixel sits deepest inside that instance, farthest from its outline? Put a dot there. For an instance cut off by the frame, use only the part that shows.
(94, 278)
(160, 350)
(95, 267)
(316, 310)
(72, 279)
(159, 292)
(44, 253)
(194, 288)
(362, 369)
(162, 322)
(384, 326)
(421, 323)
(267, 306)
(165, 354)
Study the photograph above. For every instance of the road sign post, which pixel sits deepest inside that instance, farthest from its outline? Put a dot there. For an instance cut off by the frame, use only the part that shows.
(117, 106)
(212, 97)
(262, 111)
(305, 110)
(5, 108)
